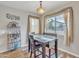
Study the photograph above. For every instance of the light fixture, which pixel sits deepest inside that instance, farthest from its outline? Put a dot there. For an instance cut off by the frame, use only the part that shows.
(40, 9)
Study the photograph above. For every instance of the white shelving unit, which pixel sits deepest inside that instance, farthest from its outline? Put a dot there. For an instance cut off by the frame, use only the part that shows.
(13, 36)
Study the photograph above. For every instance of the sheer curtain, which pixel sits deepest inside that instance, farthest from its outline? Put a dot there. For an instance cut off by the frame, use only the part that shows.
(68, 16)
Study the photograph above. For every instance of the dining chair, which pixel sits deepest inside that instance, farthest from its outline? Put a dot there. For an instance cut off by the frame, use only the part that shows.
(29, 45)
(35, 46)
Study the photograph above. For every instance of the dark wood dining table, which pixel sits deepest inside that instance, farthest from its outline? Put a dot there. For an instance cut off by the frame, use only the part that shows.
(45, 39)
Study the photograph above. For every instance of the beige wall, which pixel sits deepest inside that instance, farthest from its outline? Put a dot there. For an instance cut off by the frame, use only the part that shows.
(74, 49)
(4, 21)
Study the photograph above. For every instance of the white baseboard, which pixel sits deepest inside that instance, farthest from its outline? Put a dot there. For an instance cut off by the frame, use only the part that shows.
(69, 52)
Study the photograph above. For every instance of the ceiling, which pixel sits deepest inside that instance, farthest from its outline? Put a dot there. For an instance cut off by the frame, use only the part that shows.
(30, 6)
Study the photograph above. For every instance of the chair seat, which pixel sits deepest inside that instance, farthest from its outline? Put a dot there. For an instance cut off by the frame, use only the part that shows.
(37, 46)
(37, 43)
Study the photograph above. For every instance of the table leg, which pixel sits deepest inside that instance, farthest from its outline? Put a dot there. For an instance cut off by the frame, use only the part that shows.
(43, 50)
(49, 53)
(56, 52)
(34, 51)
(29, 45)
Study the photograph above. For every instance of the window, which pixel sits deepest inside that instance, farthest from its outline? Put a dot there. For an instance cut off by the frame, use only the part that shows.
(61, 23)
(55, 23)
(34, 24)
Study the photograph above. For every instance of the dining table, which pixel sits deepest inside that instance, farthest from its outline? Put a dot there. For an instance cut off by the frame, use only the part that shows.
(45, 39)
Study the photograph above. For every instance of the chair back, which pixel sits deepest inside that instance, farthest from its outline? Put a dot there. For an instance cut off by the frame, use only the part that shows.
(51, 34)
(31, 39)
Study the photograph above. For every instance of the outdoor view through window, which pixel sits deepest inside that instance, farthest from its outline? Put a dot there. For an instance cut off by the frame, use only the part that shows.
(55, 24)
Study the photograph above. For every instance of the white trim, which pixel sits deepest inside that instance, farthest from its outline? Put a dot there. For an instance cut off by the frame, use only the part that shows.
(68, 52)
